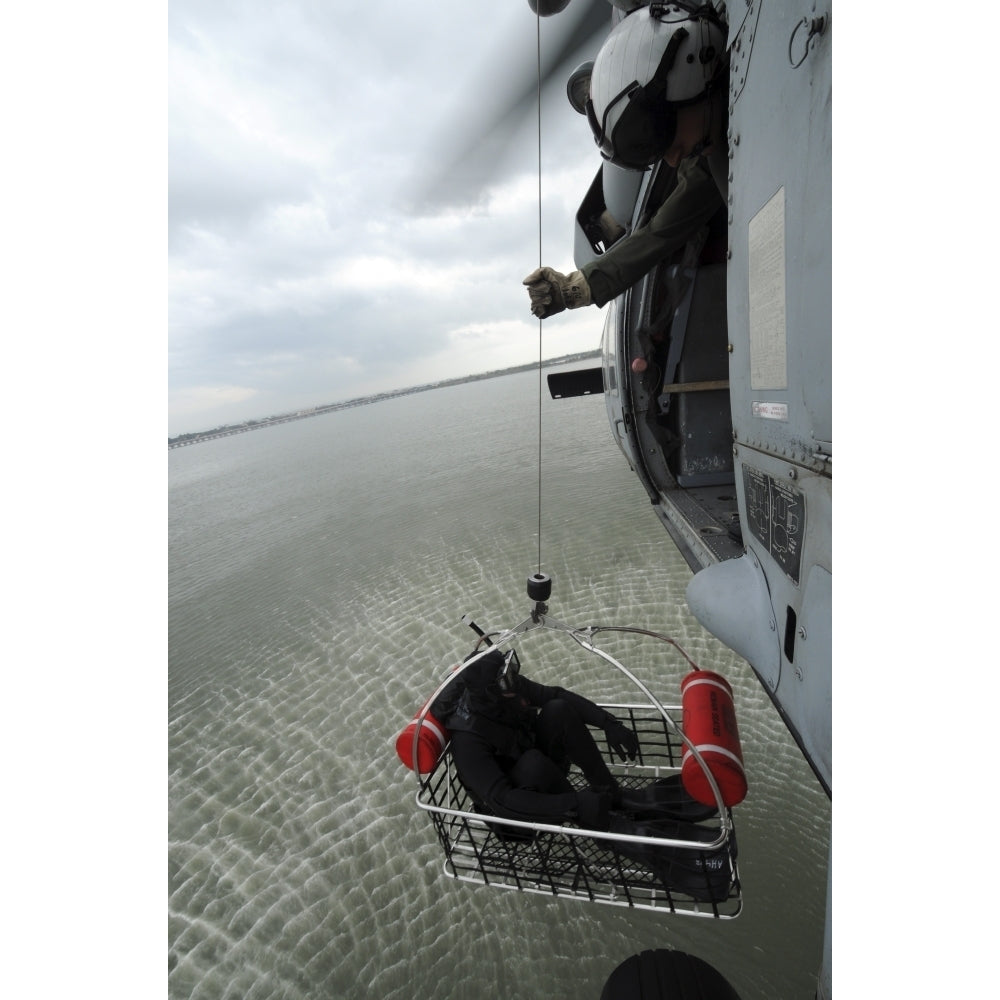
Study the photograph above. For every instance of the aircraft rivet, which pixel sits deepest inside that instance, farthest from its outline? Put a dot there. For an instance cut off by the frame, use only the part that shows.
(792, 474)
(729, 347)
(802, 631)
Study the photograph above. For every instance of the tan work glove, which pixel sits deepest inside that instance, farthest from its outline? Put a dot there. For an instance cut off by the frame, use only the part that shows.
(551, 292)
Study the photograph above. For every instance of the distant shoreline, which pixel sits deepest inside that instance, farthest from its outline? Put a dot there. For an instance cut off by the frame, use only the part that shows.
(252, 425)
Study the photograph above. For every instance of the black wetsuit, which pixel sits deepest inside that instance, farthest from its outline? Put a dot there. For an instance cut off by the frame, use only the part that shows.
(512, 752)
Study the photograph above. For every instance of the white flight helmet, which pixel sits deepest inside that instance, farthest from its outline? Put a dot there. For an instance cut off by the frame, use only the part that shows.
(658, 58)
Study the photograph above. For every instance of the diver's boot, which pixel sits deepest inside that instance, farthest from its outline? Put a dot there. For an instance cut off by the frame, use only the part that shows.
(609, 787)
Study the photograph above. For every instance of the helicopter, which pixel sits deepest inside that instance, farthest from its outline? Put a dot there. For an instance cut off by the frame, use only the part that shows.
(716, 365)
(719, 396)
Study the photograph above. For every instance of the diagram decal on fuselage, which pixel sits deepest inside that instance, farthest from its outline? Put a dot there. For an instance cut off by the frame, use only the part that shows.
(777, 517)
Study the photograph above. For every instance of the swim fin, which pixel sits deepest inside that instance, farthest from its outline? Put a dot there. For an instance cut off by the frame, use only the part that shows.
(703, 875)
(665, 798)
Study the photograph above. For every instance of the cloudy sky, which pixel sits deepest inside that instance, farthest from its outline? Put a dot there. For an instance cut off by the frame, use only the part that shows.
(330, 232)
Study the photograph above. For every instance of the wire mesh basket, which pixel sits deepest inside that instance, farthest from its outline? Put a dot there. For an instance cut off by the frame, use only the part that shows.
(660, 856)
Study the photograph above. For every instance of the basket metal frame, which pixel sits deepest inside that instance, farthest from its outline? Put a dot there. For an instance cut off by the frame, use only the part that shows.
(572, 862)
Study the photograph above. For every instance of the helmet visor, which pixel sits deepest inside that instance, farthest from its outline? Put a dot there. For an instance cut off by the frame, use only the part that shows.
(641, 133)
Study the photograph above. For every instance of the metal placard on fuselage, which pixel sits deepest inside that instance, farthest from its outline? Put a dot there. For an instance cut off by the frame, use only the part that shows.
(768, 341)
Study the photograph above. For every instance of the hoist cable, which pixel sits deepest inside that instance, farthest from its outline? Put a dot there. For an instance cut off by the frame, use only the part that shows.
(538, 61)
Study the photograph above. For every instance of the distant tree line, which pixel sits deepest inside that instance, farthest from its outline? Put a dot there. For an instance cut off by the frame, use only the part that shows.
(249, 425)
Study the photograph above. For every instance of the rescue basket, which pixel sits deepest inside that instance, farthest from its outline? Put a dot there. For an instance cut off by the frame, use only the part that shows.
(664, 851)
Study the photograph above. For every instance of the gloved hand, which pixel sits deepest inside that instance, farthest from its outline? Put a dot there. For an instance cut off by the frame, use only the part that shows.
(551, 292)
(621, 739)
(593, 809)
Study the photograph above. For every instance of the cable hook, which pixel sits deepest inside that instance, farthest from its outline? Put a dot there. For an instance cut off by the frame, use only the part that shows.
(816, 26)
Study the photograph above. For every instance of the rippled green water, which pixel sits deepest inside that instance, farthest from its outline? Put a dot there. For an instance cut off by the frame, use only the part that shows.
(318, 573)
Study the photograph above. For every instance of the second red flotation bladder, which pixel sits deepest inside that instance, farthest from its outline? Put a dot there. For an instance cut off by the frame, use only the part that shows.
(710, 724)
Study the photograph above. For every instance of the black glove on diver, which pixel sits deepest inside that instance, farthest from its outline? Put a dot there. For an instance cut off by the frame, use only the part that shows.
(621, 739)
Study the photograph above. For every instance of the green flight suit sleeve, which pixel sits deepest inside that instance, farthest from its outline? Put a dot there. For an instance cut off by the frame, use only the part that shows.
(690, 205)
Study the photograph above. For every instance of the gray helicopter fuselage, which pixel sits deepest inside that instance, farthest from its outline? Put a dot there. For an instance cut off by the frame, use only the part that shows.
(717, 370)
(728, 420)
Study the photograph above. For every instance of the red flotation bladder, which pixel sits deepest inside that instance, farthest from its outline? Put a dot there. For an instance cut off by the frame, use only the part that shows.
(710, 724)
(430, 743)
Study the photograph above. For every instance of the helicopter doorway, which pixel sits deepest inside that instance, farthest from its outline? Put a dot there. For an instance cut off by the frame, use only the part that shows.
(670, 342)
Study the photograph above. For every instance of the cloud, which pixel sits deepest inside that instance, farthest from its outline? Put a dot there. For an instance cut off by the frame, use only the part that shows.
(195, 401)
(306, 262)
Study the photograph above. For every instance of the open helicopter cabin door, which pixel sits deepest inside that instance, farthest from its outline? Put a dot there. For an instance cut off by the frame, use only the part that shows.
(664, 850)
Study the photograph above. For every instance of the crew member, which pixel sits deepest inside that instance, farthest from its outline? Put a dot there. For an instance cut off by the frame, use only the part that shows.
(658, 90)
